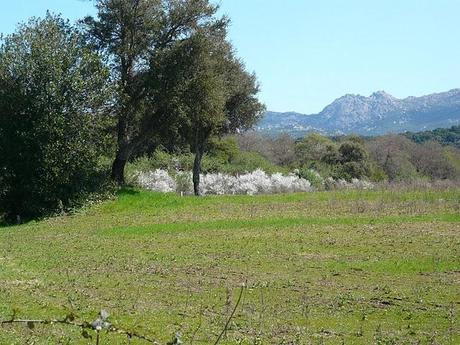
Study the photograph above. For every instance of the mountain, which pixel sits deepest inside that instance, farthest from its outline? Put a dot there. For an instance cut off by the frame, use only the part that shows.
(379, 113)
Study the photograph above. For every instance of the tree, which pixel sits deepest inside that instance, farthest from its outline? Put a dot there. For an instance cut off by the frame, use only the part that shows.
(316, 148)
(216, 95)
(134, 35)
(393, 153)
(281, 150)
(52, 92)
(430, 160)
(354, 160)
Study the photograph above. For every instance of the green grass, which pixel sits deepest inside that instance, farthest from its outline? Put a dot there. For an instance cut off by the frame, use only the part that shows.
(352, 267)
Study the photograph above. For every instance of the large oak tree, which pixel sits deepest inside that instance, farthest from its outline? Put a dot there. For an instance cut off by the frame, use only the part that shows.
(133, 34)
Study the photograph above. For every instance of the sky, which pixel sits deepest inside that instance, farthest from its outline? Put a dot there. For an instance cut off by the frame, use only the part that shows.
(306, 53)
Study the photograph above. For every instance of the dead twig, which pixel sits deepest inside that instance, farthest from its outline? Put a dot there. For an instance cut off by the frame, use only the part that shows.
(231, 315)
(69, 321)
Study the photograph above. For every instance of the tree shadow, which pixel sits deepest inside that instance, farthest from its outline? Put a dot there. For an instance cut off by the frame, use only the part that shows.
(124, 191)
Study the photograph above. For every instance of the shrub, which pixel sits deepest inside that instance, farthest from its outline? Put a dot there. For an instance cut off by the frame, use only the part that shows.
(158, 180)
(251, 161)
(278, 151)
(313, 176)
(338, 184)
(430, 160)
(256, 182)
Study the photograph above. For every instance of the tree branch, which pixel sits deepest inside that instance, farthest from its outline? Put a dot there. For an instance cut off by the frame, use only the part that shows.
(231, 315)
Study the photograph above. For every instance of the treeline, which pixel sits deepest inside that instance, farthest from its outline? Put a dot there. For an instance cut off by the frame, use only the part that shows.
(140, 75)
(443, 136)
(390, 158)
(147, 84)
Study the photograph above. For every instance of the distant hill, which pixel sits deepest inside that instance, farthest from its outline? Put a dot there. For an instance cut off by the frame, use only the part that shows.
(377, 114)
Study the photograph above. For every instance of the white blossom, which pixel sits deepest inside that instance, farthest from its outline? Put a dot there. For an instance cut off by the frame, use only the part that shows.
(256, 182)
(339, 184)
(158, 181)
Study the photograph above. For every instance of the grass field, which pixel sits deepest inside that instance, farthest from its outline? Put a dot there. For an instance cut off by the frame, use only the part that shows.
(349, 267)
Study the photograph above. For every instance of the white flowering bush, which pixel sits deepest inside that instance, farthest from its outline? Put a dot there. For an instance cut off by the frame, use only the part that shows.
(331, 184)
(252, 183)
(218, 184)
(361, 184)
(256, 182)
(158, 181)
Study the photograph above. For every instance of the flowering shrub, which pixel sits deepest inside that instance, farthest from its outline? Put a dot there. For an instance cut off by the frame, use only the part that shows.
(256, 182)
(158, 180)
(331, 184)
(311, 175)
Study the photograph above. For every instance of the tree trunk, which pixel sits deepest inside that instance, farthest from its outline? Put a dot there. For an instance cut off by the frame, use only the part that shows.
(118, 169)
(123, 152)
(197, 170)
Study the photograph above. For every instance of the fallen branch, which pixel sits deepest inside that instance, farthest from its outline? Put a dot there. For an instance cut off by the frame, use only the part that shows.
(231, 315)
(98, 325)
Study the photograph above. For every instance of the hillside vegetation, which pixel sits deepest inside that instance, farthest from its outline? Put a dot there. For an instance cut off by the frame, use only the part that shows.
(347, 267)
(443, 136)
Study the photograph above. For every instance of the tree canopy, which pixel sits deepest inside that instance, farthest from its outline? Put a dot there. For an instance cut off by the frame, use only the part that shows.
(134, 35)
(141, 74)
(53, 92)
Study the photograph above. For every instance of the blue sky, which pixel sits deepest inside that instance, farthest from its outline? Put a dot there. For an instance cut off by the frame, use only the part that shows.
(307, 53)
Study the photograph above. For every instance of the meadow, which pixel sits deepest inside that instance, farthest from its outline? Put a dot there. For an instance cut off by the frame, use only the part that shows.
(344, 267)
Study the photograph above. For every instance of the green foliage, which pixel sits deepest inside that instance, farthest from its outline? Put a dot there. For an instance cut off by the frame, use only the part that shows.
(311, 175)
(223, 159)
(345, 161)
(250, 161)
(144, 41)
(211, 91)
(316, 148)
(443, 136)
(354, 161)
(52, 90)
(352, 151)
(377, 173)
(226, 150)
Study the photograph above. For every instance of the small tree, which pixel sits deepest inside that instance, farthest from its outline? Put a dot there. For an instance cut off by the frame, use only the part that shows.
(354, 160)
(316, 148)
(214, 93)
(52, 88)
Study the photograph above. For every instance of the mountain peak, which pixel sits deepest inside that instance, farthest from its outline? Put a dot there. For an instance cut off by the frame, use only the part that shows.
(376, 114)
(382, 94)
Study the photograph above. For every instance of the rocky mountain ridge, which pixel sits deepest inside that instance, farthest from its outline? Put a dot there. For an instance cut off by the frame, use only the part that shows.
(376, 114)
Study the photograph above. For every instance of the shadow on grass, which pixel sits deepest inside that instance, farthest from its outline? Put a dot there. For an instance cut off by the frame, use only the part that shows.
(9, 223)
(127, 190)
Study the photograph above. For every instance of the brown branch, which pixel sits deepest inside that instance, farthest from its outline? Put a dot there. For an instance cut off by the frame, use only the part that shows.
(65, 321)
(82, 325)
(231, 315)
